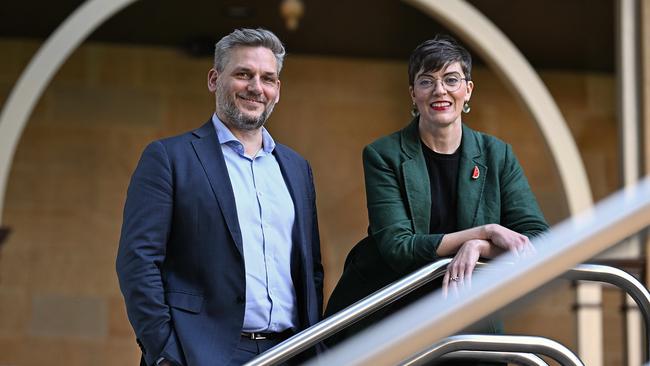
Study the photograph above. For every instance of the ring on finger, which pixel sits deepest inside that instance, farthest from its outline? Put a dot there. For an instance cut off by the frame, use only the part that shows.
(454, 278)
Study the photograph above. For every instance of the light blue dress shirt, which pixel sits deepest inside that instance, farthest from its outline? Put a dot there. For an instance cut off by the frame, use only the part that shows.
(266, 216)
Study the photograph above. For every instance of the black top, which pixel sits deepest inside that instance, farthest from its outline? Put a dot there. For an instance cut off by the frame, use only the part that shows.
(443, 175)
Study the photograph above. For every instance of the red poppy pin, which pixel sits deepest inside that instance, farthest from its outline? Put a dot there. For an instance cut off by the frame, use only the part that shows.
(476, 173)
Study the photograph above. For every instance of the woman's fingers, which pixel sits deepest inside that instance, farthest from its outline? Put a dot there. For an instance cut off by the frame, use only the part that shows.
(519, 245)
(445, 283)
(468, 275)
(459, 270)
(452, 277)
(515, 251)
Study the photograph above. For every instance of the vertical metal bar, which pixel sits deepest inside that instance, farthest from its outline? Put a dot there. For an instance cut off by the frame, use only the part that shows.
(644, 66)
(629, 113)
(627, 71)
(634, 331)
(589, 322)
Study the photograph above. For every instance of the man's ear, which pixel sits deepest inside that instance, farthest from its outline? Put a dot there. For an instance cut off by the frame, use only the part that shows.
(212, 80)
(277, 97)
(411, 91)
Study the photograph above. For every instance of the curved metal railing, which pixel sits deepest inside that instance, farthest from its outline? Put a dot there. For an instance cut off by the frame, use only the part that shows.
(430, 319)
(620, 279)
(517, 358)
(497, 343)
(391, 293)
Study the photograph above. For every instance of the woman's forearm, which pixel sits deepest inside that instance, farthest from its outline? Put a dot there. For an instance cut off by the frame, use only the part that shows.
(453, 241)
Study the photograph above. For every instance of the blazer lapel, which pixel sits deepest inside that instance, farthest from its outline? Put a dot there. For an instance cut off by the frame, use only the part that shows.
(472, 171)
(210, 156)
(289, 170)
(416, 179)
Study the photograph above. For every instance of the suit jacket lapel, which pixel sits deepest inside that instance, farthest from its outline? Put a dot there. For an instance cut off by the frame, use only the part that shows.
(470, 188)
(210, 156)
(290, 170)
(416, 179)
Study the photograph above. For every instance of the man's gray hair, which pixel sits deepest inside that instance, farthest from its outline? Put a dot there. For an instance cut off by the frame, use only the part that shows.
(247, 37)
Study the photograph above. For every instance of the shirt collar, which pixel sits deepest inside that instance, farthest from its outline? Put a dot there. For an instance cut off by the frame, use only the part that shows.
(225, 136)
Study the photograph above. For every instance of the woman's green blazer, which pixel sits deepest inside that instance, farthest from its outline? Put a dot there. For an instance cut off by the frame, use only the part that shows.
(399, 207)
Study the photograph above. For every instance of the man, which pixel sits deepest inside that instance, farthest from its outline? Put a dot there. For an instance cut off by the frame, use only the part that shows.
(219, 257)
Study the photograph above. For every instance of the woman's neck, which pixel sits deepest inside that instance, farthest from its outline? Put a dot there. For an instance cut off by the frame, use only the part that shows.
(441, 139)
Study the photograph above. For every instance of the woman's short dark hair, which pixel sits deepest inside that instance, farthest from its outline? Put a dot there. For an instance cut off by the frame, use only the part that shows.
(438, 53)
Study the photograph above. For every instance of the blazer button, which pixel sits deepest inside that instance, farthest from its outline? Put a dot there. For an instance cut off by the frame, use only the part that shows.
(240, 299)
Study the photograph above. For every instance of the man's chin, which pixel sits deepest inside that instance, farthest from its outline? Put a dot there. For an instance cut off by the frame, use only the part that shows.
(250, 116)
(251, 122)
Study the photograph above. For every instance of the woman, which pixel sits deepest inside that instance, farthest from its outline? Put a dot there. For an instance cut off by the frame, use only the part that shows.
(437, 188)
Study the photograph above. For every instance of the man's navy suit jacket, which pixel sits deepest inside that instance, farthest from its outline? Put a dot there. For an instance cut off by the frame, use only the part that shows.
(180, 261)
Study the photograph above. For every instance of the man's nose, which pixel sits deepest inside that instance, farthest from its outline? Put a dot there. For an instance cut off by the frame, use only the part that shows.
(255, 85)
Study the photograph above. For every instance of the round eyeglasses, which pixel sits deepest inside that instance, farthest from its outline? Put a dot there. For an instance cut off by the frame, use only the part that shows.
(450, 82)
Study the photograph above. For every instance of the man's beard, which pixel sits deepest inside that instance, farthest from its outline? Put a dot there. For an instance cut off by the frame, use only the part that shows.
(236, 118)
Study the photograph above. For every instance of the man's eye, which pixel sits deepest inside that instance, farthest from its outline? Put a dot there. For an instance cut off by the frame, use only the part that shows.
(425, 83)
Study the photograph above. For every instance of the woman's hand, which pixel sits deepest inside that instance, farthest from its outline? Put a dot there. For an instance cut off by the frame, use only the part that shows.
(509, 240)
(459, 270)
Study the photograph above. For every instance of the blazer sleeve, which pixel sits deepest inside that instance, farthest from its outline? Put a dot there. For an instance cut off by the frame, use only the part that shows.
(145, 230)
(519, 209)
(391, 225)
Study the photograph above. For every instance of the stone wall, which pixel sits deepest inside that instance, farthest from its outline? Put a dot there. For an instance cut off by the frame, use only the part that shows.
(59, 298)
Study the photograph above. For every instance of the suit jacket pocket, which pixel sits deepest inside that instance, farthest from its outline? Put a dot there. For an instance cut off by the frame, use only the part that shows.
(184, 301)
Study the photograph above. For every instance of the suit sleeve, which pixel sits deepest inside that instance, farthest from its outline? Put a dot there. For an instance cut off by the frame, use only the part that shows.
(519, 209)
(391, 225)
(145, 230)
(316, 255)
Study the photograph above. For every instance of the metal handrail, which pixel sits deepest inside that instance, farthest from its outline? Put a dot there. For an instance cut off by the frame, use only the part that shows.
(497, 343)
(434, 317)
(391, 293)
(517, 358)
(353, 313)
(618, 278)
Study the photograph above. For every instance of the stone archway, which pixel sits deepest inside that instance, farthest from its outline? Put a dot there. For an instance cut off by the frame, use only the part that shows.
(471, 25)
(39, 72)
(478, 32)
